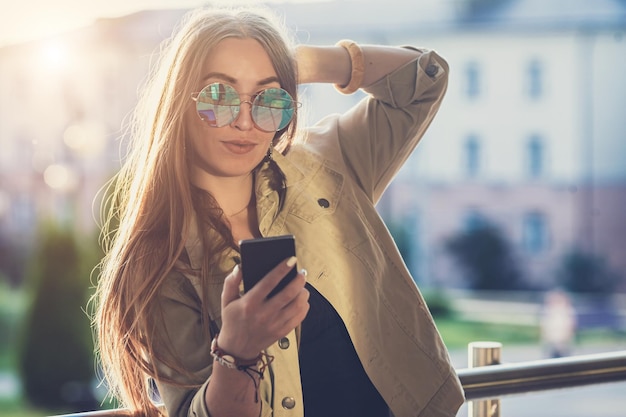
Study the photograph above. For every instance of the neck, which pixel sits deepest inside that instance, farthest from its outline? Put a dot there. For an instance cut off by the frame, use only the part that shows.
(240, 211)
(233, 194)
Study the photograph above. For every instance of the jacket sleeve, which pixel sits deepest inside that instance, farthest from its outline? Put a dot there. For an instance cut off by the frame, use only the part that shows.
(378, 134)
(181, 334)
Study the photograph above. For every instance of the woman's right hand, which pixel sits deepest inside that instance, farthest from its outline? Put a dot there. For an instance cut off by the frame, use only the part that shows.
(252, 322)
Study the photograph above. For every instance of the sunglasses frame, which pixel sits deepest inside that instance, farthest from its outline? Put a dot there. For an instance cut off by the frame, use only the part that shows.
(253, 103)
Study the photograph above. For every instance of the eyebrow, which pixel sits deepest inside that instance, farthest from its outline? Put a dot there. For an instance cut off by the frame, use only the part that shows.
(227, 78)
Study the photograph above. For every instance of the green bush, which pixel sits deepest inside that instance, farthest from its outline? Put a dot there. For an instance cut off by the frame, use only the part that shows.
(438, 304)
(56, 356)
(587, 273)
(486, 258)
(11, 312)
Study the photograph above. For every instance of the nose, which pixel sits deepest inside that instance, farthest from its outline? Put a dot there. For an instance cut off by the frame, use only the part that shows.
(244, 121)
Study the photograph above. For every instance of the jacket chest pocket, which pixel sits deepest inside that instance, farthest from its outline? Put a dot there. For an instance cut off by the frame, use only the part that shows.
(327, 212)
(320, 196)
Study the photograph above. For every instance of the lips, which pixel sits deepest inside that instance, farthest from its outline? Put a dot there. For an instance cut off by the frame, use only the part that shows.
(239, 147)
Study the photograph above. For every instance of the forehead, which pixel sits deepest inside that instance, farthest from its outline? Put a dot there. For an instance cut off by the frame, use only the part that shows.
(244, 61)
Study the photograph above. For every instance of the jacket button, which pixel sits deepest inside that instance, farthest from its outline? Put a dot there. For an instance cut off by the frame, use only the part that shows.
(283, 343)
(432, 70)
(288, 403)
(323, 203)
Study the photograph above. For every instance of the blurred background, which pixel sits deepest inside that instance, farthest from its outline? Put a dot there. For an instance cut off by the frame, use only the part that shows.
(511, 214)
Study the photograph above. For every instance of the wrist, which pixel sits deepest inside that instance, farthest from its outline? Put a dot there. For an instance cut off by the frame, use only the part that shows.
(357, 67)
(322, 64)
(229, 360)
(254, 368)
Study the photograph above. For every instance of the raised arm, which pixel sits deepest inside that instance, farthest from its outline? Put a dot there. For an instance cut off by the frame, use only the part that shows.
(332, 64)
(405, 87)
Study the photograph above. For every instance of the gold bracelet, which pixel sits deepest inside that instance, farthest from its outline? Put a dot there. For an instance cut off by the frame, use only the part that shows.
(358, 67)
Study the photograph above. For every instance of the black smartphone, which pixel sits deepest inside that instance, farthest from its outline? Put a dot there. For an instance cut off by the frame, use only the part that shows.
(260, 256)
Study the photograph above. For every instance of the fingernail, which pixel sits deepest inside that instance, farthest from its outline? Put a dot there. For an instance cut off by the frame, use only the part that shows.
(291, 261)
(236, 269)
(304, 272)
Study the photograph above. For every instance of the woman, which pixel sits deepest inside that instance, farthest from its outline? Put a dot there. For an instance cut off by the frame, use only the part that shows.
(216, 158)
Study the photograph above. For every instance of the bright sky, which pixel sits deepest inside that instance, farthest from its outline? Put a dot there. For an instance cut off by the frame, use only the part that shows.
(23, 20)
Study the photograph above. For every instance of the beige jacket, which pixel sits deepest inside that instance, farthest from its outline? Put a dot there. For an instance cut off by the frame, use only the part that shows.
(333, 180)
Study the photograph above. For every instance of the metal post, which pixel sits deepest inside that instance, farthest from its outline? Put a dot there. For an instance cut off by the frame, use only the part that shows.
(484, 354)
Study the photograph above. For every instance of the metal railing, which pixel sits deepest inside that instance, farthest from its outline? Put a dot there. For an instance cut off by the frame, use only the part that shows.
(487, 380)
(524, 377)
(486, 383)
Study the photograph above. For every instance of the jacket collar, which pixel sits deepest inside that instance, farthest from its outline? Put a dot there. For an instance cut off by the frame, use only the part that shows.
(271, 180)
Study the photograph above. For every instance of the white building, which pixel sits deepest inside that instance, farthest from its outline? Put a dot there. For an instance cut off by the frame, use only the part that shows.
(531, 135)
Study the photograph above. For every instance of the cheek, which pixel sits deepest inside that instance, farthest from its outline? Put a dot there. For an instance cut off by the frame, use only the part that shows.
(194, 128)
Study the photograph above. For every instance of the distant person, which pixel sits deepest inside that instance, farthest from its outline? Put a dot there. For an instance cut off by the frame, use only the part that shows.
(216, 158)
(558, 324)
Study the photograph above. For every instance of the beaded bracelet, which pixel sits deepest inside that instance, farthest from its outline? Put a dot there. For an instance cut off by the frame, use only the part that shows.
(262, 361)
(358, 67)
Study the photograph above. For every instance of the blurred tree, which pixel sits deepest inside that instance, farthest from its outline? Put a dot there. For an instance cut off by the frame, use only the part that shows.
(486, 258)
(56, 360)
(587, 273)
(438, 303)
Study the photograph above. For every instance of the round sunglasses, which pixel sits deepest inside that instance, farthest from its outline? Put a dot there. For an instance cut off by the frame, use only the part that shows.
(219, 104)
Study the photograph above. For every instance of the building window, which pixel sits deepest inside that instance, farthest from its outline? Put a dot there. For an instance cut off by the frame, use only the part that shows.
(535, 233)
(472, 80)
(472, 156)
(535, 157)
(535, 79)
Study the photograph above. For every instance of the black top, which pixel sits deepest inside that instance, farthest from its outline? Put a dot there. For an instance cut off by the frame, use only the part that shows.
(334, 382)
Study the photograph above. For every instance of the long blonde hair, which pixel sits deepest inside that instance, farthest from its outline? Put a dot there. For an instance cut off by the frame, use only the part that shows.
(151, 203)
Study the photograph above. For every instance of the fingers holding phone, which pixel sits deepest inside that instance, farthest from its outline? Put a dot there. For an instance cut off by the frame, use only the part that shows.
(269, 268)
(275, 302)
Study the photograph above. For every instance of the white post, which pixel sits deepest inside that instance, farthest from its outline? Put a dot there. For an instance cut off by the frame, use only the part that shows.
(484, 354)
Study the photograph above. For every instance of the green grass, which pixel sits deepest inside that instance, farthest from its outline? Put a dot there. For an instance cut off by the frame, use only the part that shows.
(16, 408)
(600, 336)
(458, 334)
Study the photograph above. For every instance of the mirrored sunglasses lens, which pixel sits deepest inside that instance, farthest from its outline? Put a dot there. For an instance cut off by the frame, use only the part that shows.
(218, 104)
(273, 109)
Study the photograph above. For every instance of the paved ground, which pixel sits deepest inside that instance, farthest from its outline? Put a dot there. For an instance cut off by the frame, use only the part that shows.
(603, 400)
